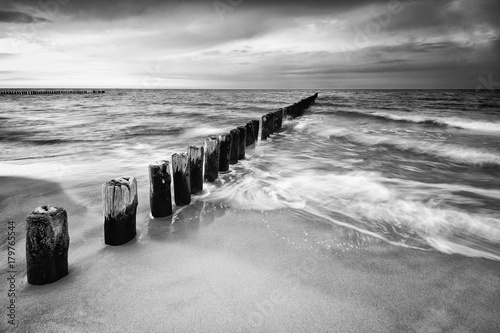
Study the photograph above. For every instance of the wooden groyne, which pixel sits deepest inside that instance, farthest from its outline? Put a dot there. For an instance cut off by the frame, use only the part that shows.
(47, 231)
(49, 92)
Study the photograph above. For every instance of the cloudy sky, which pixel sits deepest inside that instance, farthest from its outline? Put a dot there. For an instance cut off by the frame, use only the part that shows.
(249, 43)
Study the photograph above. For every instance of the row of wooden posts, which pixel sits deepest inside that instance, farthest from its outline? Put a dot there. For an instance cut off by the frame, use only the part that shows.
(47, 238)
(49, 92)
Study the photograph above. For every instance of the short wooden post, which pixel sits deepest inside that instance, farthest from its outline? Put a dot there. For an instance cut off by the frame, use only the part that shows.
(47, 242)
(120, 207)
(235, 146)
(250, 140)
(255, 130)
(180, 170)
(160, 196)
(195, 168)
(243, 139)
(224, 152)
(211, 159)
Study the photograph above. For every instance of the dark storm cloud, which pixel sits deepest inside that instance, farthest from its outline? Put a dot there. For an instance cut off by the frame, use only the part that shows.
(86, 9)
(19, 17)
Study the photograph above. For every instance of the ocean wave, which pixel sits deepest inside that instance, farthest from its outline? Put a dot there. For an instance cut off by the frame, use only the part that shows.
(456, 153)
(204, 132)
(463, 123)
(28, 137)
(358, 200)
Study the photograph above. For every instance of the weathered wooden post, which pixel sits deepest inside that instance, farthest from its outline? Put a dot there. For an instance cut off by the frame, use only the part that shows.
(278, 119)
(160, 196)
(250, 140)
(180, 171)
(211, 159)
(243, 139)
(120, 207)
(224, 152)
(266, 131)
(255, 130)
(195, 168)
(235, 146)
(47, 242)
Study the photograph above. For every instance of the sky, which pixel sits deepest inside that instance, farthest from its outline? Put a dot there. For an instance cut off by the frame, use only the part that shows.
(250, 44)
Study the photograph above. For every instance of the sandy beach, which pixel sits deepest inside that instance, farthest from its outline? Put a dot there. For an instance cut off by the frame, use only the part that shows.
(217, 269)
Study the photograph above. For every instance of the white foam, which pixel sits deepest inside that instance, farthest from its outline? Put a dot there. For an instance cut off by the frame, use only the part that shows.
(367, 205)
(34, 170)
(460, 154)
(204, 131)
(487, 126)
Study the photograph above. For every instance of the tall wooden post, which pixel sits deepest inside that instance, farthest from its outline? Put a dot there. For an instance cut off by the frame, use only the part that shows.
(235, 146)
(180, 170)
(195, 168)
(47, 243)
(250, 140)
(278, 119)
(243, 139)
(265, 130)
(211, 159)
(255, 130)
(160, 196)
(224, 152)
(120, 207)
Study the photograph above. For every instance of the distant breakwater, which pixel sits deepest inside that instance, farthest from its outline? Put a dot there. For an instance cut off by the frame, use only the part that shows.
(49, 92)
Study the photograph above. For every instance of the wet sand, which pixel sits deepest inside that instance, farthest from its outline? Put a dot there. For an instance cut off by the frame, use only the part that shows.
(219, 269)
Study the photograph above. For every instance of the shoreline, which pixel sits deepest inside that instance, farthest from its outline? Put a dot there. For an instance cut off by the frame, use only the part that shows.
(222, 269)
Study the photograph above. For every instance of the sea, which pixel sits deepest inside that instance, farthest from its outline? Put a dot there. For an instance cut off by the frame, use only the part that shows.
(375, 211)
(414, 168)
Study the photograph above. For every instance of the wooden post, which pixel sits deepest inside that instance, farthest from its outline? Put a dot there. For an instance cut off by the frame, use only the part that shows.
(235, 146)
(120, 207)
(266, 131)
(272, 122)
(180, 170)
(160, 196)
(255, 130)
(243, 139)
(47, 242)
(224, 152)
(278, 119)
(250, 140)
(195, 168)
(291, 112)
(211, 159)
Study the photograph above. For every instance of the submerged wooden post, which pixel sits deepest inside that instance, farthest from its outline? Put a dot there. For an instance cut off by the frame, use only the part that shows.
(255, 130)
(250, 140)
(211, 159)
(243, 139)
(120, 207)
(224, 152)
(195, 168)
(47, 242)
(160, 196)
(180, 171)
(235, 146)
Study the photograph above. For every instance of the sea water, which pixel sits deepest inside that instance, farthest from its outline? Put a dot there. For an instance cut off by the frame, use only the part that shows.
(416, 168)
